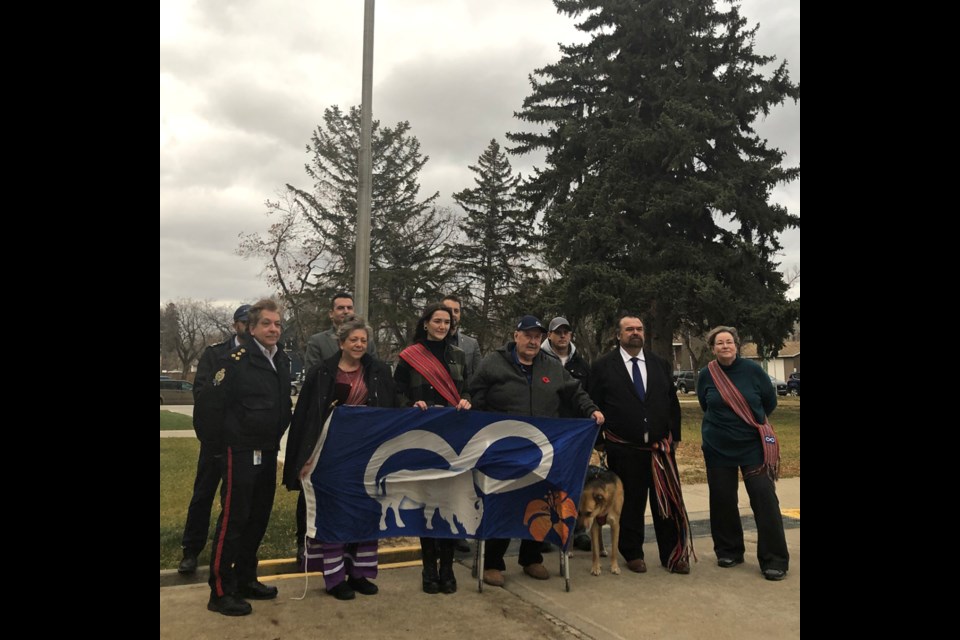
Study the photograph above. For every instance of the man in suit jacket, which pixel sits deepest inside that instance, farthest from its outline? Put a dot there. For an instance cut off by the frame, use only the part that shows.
(642, 428)
(322, 346)
(467, 344)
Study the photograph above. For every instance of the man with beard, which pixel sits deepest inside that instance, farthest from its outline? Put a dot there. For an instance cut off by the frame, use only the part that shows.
(634, 389)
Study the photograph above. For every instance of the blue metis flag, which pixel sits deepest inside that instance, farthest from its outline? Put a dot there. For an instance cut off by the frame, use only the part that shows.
(444, 473)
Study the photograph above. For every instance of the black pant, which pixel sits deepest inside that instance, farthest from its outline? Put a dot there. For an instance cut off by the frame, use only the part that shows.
(633, 467)
(204, 489)
(301, 518)
(493, 552)
(725, 523)
(432, 549)
(247, 499)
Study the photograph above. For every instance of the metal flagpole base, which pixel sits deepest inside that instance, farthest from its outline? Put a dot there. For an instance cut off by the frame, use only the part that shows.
(478, 563)
(565, 568)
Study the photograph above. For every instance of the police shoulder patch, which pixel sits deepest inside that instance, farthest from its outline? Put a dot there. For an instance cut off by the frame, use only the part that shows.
(239, 354)
(218, 378)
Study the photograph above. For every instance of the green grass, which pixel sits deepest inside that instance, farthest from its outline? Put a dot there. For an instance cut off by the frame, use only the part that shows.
(178, 467)
(785, 421)
(174, 421)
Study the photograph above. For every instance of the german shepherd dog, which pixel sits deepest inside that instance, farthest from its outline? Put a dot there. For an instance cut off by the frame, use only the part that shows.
(601, 502)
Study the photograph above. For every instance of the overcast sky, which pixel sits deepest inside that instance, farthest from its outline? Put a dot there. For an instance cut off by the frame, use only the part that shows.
(243, 83)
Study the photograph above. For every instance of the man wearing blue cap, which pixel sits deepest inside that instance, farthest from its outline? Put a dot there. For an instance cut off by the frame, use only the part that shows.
(518, 379)
(208, 469)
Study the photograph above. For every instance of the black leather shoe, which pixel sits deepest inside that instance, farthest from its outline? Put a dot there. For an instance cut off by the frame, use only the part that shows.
(774, 574)
(582, 542)
(463, 546)
(362, 585)
(188, 565)
(256, 590)
(726, 563)
(342, 592)
(229, 605)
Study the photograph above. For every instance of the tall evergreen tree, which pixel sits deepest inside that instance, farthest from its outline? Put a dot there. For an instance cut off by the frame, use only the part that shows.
(494, 262)
(656, 187)
(408, 234)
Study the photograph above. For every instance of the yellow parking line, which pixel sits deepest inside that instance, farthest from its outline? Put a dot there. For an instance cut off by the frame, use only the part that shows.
(791, 513)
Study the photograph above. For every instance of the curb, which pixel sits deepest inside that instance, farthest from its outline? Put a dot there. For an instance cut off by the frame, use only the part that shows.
(411, 554)
(284, 566)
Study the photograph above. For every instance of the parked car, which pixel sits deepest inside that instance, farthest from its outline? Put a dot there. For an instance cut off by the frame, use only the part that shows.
(176, 392)
(793, 384)
(779, 385)
(685, 380)
(296, 384)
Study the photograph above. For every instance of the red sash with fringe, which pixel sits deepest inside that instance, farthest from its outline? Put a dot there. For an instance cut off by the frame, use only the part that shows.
(432, 370)
(738, 404)
(666, 485)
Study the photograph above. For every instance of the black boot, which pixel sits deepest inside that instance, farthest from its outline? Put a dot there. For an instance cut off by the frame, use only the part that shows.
(428, 552)
(448, 582)
(431, 580)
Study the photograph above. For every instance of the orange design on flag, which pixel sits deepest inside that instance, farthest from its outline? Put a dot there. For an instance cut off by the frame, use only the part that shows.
(550, 513)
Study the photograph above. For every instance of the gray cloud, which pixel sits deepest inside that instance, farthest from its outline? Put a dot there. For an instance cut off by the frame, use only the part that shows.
(243, 84)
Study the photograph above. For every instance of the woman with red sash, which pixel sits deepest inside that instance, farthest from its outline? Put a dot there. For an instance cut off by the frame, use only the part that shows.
(736, 396)
(431, 373)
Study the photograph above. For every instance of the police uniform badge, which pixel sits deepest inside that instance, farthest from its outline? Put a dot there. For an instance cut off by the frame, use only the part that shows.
(218, 378)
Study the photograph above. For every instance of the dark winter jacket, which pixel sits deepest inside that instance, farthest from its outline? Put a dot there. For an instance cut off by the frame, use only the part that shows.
(499, 385)
(208, 364)
(576, 365)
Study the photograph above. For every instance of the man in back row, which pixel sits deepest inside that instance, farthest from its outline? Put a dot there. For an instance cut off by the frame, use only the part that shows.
(321, 346)
(559, 344)
(208, 466)
(467, 344)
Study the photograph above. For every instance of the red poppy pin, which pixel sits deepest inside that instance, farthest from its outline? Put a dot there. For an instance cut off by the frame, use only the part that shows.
(545, 380)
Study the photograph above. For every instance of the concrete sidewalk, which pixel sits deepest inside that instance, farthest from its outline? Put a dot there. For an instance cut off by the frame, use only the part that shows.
(734, 603)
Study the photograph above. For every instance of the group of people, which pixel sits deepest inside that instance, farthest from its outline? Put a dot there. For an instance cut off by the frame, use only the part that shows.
(243, 407)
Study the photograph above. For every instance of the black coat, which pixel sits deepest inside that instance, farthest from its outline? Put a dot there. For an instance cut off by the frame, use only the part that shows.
(500, 386)
(247, 403)
(317, 400)
(207, 366)
(624, 413)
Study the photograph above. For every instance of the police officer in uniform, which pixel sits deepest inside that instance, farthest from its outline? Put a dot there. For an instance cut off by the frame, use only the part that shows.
(247, 407)
(208, 467)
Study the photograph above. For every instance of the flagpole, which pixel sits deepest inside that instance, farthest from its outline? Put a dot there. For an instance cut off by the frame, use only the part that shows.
(361, 286)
